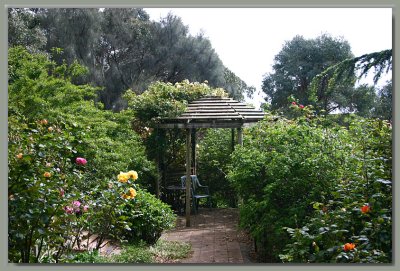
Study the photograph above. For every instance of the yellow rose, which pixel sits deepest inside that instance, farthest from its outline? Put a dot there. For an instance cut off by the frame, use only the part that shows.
(123, 177)
(50, 129)
(132, 192)
(19, 155)
(133, 174)
(47, 174)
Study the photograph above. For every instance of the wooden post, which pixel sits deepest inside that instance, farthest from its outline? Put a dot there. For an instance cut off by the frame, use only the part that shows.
(194, 166)
(188, 179)
(161, 160)
(240, 142)
(240, 136)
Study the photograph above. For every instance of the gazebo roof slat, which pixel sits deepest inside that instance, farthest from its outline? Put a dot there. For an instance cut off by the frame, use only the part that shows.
(210, 114)
(214, 101)
(220, 107)
(233, 113)
(216, 104)
(214, 112)
(194, 110)
(209, 117)
(214, 98)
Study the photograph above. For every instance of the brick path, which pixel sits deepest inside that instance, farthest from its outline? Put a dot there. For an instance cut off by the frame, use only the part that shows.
(213, 235)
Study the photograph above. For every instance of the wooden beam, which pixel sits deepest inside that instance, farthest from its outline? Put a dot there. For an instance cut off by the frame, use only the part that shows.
(211, 117)
(194, 166)
(213, 101)
(217, 105)
(188, 179)
(183, 125)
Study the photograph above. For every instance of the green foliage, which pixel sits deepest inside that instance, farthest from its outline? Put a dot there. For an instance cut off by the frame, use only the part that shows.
(383, 108)
(236, 87)
(165, 100)
(51, 123)
(88, 257)
(284, 166)
(122, 49)
(290, 168)
(147, 218)
(41, 169)
(171, 250)
(299, 61)
(341, 218)
(347, 70)
(213, 160)
(24, 29)
(138, 253)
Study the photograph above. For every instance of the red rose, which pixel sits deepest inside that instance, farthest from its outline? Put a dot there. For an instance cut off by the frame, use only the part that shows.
(81, 161)
(365, 209)
(348, 246)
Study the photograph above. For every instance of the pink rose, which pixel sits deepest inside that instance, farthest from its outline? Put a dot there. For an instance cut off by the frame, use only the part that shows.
(80, 161)
(293, 103)
(76, 204)
(301, 106)
(68, 209)
(85, 208)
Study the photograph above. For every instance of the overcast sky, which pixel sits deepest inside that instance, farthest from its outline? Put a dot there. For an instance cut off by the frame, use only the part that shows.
(247, 39)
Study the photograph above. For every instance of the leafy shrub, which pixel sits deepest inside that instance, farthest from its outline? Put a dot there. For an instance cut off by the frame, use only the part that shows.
(162, 100)
(165, 100)
(43, 179)
(88, 257)
(213, 161)
(148, 217)
(51, 123)
(360, 209)
(316, 192)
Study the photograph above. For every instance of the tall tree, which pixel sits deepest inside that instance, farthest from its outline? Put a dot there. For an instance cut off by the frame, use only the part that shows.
(299, 61)
(383, 107)
(123, 49)
(24, 29)
(236, 87)
(125, 52)
(75, 30)
(347, 71)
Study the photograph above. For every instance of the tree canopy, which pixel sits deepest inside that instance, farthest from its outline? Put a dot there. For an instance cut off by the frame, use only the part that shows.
(348, 70)
(123, 49)
(295, 66)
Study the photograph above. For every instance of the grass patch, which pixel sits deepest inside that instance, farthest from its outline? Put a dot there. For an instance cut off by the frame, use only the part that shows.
(161, 252)
(138, 253)
(165, 251)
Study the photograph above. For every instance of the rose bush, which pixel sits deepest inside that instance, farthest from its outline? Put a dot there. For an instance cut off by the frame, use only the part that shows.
(310, 186)
(63, 153)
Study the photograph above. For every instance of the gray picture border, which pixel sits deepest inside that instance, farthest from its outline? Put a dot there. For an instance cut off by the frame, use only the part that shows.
(4, 265)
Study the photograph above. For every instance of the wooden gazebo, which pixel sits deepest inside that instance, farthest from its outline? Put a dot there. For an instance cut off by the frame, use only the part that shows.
(210, 112)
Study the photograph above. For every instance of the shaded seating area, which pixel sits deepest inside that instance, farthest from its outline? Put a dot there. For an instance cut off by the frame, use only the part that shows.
(198, 192)
(175, 194)
(206, 112)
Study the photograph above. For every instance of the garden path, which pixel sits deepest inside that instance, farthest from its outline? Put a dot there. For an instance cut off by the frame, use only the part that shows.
(214, 236)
